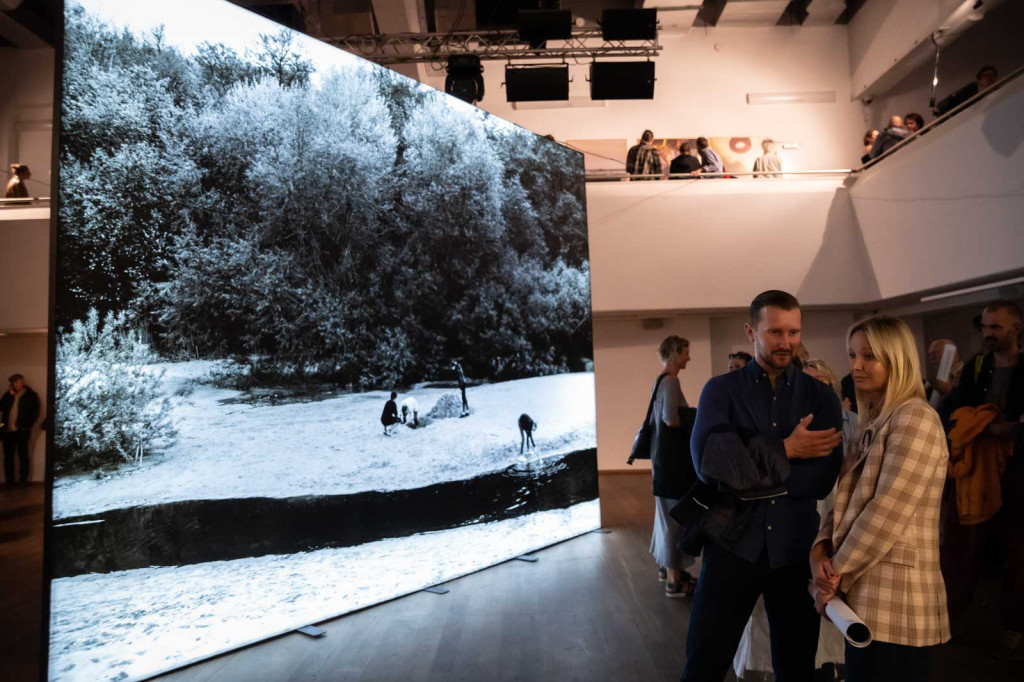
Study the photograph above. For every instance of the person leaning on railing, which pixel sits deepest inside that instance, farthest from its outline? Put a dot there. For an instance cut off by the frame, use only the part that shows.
(16, 188)
(985, 79)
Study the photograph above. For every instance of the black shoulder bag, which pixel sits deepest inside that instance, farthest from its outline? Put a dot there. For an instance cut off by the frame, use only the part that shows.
(642, 442)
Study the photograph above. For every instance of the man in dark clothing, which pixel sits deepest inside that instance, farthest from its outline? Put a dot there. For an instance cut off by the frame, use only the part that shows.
(849, 393)
(767, 411)
(889, 138)
(19, 410)
(687, 161)
(644, 159)
(985, 79)
(389, 416)
(997, 377)
(710, 161)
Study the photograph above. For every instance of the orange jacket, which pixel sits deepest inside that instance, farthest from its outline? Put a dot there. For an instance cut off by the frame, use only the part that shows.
(977, 461)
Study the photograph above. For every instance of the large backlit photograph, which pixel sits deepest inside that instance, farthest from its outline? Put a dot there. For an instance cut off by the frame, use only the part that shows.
(323, 338)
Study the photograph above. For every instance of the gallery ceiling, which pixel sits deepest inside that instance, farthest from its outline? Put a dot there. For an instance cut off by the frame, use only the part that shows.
(338, 18)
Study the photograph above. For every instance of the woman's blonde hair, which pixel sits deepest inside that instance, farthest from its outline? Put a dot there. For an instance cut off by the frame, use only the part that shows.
(672, 347)
(826, 371)
(893, 344)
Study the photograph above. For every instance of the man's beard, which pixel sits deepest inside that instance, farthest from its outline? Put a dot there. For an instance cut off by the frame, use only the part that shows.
(779, 360)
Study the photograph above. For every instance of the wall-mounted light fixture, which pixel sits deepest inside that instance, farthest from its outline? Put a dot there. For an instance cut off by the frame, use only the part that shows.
(823, 97)
(971, 290)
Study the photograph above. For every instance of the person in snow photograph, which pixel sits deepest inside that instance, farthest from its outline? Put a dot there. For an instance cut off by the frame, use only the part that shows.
(284, 364)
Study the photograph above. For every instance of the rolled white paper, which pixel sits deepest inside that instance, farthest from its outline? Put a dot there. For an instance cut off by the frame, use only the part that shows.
(945, 369)
(849, 623)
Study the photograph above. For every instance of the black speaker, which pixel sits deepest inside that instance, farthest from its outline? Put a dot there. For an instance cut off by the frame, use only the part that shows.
(629, 24)
(622, 80)
(537, 83)
(539, 25)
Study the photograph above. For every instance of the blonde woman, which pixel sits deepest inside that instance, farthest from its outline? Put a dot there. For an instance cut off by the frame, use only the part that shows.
(879, 546)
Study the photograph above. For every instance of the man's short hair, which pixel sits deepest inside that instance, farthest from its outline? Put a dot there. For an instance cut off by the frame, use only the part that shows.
(742, 355)
(1011, 308)
(988, 68)
(702, 143)
(917, 118)
(16, 377)
(648, 136)
(774, 298)
(688, 146)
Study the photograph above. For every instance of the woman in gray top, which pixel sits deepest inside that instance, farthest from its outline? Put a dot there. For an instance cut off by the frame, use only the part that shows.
(672, 468)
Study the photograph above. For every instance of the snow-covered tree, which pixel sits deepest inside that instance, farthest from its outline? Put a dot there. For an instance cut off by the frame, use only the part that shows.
(110, 408)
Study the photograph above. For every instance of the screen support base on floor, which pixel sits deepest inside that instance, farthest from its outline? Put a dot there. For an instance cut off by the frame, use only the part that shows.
(529, 558)
(436, 589)
(602, 531)
(312, 631)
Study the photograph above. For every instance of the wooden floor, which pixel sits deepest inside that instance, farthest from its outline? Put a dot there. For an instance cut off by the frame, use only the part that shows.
(590, 609)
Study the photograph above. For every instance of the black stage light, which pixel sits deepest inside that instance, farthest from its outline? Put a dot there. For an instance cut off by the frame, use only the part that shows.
(622, 80)
(536, 26)
(537, 83)
(465, 78)
(629, 24)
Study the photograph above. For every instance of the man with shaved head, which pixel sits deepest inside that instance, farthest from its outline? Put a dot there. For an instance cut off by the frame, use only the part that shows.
(893, 134)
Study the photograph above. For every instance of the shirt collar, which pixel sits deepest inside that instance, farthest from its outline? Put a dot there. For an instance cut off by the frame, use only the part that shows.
(756, 373)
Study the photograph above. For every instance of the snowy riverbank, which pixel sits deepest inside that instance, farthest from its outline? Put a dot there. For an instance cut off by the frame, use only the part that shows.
(134, 624)
(230, 449)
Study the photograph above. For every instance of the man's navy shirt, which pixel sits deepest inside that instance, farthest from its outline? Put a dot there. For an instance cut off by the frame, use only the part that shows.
(743, 402)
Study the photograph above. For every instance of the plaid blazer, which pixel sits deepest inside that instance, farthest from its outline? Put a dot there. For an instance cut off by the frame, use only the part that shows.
(884, 527)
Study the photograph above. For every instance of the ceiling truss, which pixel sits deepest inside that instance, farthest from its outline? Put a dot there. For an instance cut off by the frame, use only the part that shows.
(414, 48)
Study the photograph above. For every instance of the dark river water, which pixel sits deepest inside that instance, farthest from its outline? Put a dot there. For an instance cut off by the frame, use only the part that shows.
(198, 531)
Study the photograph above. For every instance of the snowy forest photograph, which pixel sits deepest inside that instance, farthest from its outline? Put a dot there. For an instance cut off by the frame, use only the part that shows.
(323, 338)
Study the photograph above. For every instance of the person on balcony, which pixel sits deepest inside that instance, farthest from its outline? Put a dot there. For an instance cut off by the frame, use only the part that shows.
(687, 161)
(913, 123)
(644, 159)
(985, 79)
(768, 165)
(893, 134)
(710, 161)
(16, 188)
(869, 141)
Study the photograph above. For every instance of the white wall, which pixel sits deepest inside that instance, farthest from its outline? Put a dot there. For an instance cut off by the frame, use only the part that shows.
(703, 78)
(26, 114)
(884, 32)
(24, 270)
(707, 244)
(26, 354)
(947, 209)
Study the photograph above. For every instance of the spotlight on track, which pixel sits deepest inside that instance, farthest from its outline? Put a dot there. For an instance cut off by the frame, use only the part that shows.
(465, 78)
(629, 24)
